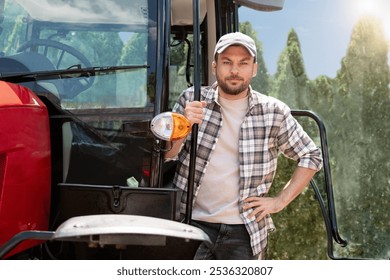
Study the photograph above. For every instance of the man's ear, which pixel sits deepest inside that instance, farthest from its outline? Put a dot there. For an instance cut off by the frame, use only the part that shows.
(254, 72)
(213, 67)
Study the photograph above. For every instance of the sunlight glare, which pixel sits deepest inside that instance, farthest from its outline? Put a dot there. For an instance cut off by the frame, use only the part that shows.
(366, 7)
(386, 29)
(377, 8)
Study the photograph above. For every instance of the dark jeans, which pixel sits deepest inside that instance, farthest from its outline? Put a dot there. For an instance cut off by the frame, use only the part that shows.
(229, 242)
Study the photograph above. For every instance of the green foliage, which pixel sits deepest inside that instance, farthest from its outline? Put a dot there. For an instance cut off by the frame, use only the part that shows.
(12, 29)
(290, 82)
(355, 108)
(132, 85)
(367, 98)
(300, 230)
(135, 50)
(295, 54)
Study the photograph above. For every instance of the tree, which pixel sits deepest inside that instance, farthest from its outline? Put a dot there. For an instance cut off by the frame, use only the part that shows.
(365, 98)
(261, 82)
(132, 86)
(301, 222)
(321, 96)
(10, 34)
(290, 81)
(135, 50)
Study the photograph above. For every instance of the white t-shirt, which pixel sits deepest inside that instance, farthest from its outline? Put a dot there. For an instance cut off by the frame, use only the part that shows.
(217, 199)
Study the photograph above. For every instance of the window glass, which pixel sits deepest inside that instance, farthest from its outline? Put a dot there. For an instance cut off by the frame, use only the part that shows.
(181, 71)
(105, 49)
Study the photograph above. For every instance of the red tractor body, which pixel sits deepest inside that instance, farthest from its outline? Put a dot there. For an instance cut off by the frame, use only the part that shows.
(24, 163)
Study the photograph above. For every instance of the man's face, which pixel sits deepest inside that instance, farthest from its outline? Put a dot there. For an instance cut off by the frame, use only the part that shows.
(234, 70)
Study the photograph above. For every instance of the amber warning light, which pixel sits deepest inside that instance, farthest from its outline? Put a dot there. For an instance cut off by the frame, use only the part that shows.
(170, 126)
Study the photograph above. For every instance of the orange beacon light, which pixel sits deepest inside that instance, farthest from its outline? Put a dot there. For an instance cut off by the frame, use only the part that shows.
(170, 126)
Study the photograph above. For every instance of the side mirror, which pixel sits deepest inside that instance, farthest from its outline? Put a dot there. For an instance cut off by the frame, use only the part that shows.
(170, 126)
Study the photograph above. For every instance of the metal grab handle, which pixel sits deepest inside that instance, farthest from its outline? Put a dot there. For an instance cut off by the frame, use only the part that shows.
(194, 133)
(330, 214)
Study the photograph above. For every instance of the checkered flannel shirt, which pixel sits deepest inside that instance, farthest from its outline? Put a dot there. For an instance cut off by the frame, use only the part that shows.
(268, 128)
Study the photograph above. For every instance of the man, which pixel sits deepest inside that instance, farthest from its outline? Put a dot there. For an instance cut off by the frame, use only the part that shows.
(240, 135)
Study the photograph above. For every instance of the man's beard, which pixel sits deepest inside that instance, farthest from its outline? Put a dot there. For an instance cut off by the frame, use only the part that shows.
(232, 90)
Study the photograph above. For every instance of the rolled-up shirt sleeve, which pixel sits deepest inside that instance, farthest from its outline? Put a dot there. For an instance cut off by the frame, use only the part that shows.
(296, 144)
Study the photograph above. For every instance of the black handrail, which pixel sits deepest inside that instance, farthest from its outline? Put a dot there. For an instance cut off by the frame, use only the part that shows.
(330, 213)
(328, 225)
(194, 133)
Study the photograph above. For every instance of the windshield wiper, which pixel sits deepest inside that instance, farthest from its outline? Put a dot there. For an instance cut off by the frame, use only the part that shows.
(67, 73)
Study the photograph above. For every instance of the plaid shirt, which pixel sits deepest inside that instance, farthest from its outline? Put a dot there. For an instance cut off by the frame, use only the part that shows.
(268, 128)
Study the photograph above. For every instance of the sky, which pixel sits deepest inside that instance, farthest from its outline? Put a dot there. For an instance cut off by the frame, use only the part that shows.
(324, 29)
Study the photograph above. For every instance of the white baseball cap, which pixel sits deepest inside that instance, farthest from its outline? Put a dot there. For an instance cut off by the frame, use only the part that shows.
(236, 38)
